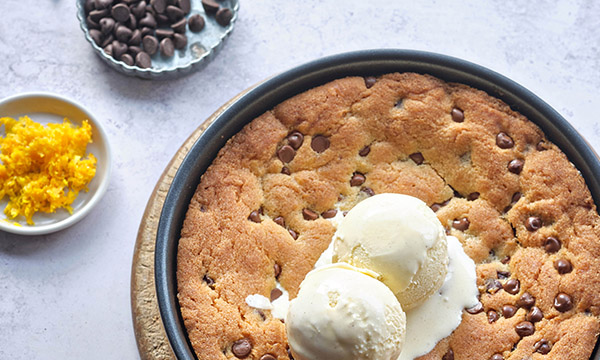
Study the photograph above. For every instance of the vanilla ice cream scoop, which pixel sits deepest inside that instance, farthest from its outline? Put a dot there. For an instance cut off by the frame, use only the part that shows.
(343, 313)
(400, 238)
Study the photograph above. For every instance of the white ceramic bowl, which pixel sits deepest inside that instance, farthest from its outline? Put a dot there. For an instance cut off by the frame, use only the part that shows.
(50, 108)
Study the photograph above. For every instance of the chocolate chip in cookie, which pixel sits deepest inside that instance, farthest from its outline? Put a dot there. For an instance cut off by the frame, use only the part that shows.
(241, 348)
(357, 179)
(512, 286)
(563, 266)
(516, 166)
(525, 328)
(461, 224)
(563, 302)
(457, 115)
(417, 158)
(320, 143)
(370, 81)
(552, 244)
(504, 141)
(533, 223)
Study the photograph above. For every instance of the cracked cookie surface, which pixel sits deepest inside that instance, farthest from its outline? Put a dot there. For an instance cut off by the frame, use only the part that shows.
(261, 215)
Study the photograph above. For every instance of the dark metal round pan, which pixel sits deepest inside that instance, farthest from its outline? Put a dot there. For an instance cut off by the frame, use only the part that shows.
(283, 86)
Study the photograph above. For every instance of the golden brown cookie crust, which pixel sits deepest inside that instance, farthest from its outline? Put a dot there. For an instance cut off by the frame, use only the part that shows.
(497, 184)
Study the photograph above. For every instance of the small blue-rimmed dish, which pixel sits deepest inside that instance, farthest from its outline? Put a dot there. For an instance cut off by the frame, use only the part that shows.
(47, 108)
(268, 94)
(201, 46)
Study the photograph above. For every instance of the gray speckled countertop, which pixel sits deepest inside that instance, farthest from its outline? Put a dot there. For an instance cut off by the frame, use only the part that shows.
(66, 295)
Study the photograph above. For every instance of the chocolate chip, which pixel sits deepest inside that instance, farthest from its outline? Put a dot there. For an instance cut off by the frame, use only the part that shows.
(516, 196)
(367, 190)
(329, 214)
(97, 36)
(449, 355)
(107, 25)
(120, 12)
(143, 60)
(279, 221)
(552, 244)
(139, 9)
(505, 260)
(461, 224)
(525, 328)
(268, 357)
(289, 352)
(365, 151)
(96, 15)
(210, 6)
(147, 31)
(516, 166)
(286, 153)
(224, 16)
(504, 141)
(492, 316)
(357, 179)
(180, 41)
(475, 309)
(118, 49)
(164, 33)
(534, 315)
(254, 216)
(159, 5)
(123, 33)
(563, 266)
(541, 146)
(285, 171)
(497, 357)
(308, 214)
(89, 6)
(370, 81)
(241, 348)
(148, 21)
(136, 38)
(543, 347)
(492, 286)
(293, 234)
(526, 301)
(533, 223)
(511, 286)
(435, 207)
(102, 4)
(150, 44)
(92, 24)
(473, 196)
(196, 23)
(108, 50)
(179, 26)
(295, 139)
(275, 294)
(417, 158)
(132, 23)
(458, 115)
(563, 302)
(174, 13)
(277, 270)
(344, 213)
(185, 5)
(503, 274)
(127, 59)
(509, 311)
(319, 143)
(209, 281)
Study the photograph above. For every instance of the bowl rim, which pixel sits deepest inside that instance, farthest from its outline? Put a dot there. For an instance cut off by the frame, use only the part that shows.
(104, 181)
(298, 79)
(151, 73)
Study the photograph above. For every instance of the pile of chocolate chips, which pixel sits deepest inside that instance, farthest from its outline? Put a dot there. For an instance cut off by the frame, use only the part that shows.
(132, 31)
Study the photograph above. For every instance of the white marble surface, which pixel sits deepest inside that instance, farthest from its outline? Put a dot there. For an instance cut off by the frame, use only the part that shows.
(66, 295)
